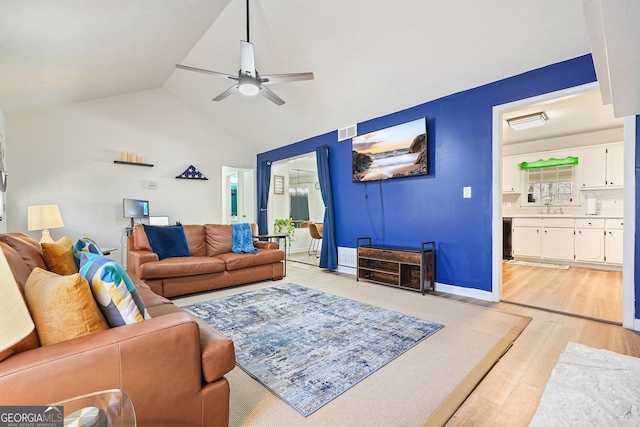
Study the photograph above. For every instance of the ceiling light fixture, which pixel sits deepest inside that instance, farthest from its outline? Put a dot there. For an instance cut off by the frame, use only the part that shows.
(248, 86)
(528, 121)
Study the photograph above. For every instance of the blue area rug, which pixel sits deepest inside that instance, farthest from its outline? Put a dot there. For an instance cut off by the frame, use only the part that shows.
(307, 346)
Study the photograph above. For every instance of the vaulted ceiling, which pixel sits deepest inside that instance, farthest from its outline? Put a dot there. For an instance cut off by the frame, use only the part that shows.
(369, 58)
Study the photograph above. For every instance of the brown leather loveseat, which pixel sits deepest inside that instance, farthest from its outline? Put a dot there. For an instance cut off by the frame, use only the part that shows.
(211, 264)
(172, 365)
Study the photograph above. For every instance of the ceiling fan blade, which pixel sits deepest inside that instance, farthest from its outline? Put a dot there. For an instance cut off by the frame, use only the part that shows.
(285, 78)
(226, 93)
(201, 70)
(271, 96)
(247, 59)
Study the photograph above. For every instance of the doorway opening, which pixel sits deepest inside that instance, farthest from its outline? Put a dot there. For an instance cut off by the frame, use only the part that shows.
(238, 195)
(300, 201)
(563, 250)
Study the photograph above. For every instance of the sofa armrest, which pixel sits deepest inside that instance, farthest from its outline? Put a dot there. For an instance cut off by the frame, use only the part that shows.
(218, 353)
(162, 353)
(266, 245)
(136, 258)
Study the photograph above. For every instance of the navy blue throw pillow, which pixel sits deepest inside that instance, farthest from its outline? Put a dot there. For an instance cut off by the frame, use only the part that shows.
(167, 241)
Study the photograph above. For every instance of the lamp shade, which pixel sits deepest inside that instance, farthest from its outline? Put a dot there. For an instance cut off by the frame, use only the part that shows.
(15, 321)
(43, 217)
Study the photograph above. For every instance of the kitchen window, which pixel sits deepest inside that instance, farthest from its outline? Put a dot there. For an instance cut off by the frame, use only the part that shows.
(551, 185)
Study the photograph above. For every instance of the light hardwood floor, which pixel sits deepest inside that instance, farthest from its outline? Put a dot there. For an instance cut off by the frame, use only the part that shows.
(510, 393)
(581, 291)
(304, 258)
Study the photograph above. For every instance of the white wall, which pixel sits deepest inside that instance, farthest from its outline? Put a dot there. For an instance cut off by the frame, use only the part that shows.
(65, 156)
(3, 220)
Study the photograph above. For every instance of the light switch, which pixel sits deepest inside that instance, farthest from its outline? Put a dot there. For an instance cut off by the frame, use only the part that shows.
(466, 192)
(152, 184)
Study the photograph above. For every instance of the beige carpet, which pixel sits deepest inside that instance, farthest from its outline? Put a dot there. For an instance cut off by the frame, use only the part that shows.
(424, 386)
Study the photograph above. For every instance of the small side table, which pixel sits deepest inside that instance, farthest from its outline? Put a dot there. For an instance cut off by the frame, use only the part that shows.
(278, 237)
(99, 409)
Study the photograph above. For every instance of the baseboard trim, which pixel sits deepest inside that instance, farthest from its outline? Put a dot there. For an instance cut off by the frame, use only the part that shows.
(440, 287)
(347, 270)
(464, 292)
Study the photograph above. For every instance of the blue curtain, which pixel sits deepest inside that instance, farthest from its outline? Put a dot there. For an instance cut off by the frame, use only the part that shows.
(329, 251)
(263, 197)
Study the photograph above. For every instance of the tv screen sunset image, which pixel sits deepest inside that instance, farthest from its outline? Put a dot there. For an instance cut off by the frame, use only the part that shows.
(394, 152)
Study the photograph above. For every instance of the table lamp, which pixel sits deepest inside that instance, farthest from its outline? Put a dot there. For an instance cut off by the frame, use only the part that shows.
(44, 217)
(15, 321)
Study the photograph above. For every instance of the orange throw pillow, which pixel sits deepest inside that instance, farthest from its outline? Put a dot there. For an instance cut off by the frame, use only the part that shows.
(62, 307)
(59, 256)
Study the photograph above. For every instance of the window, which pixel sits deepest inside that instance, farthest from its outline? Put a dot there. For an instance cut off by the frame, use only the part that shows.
(552, 185)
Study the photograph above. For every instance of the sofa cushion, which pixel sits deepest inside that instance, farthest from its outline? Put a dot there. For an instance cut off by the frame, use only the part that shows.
(113, 290)
(140, 240)
(28, 248)
(195, 239)
(19, 268)
(62, 307)
(218, 239)
(235, 261)
(181, 266)
(59, 257)
(167, 241)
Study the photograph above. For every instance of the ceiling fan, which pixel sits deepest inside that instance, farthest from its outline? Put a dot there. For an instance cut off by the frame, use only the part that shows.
(251, 83)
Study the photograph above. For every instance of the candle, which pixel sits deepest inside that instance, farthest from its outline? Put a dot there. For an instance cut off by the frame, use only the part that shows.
(141, 159)
(132, 157)
(124, 156)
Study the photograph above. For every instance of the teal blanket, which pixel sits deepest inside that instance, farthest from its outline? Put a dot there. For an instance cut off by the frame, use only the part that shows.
(241, 239)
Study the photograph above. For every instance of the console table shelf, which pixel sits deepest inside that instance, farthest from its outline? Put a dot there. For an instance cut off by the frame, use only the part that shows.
(406, 268)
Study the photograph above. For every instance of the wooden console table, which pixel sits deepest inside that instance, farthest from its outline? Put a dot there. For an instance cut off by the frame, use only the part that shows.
(405, 268)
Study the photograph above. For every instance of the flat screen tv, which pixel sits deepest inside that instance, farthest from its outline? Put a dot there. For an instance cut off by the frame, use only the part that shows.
(133, 208)
(395, 152)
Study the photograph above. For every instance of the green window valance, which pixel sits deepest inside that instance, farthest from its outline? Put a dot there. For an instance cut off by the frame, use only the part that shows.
(570, 160)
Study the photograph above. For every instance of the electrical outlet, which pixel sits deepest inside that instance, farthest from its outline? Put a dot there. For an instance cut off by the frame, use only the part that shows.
(466, 192)
(152, 184)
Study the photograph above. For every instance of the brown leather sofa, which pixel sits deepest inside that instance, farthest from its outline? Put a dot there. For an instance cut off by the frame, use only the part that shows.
(172, 366)
(212, 264)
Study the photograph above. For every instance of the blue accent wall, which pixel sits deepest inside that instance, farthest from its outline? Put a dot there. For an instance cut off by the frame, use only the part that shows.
(408, 211)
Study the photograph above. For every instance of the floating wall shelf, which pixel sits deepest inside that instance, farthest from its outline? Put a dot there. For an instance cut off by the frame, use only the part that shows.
(132, 163)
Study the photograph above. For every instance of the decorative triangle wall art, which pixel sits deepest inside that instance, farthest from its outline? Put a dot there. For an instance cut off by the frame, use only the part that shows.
(191, 173)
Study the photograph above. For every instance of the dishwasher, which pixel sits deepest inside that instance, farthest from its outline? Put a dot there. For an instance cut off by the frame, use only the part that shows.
(507, 246)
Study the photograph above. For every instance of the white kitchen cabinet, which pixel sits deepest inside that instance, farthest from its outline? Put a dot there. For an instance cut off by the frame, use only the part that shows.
(589, 240)
(615, 165)
(511, 175)
(526, 237)
(526, 242)
(601, 166)
(557, 238)
(592, 163)
(613, 241)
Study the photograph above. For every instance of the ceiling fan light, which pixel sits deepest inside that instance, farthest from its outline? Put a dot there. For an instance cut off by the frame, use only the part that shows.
(248, 88)
(528, 121)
